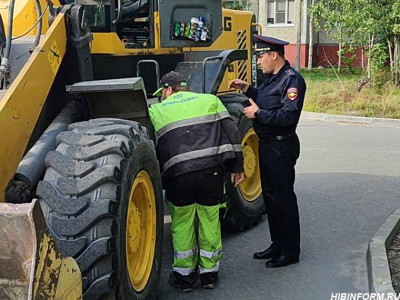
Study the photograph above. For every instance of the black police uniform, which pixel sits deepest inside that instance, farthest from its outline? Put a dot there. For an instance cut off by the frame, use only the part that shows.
(280, 99)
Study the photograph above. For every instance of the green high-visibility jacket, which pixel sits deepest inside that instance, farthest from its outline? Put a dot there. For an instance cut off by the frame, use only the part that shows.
(195, 132)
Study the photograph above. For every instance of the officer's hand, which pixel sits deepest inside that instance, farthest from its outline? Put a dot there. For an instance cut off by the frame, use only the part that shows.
(250, 110)
(239, 84)
(237, 178)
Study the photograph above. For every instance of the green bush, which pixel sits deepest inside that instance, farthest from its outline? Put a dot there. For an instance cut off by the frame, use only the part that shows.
(378, 58)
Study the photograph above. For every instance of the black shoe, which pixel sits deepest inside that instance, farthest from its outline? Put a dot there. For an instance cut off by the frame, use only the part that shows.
(267, 254)
(182, 283)
(183, 286)
(210, 285)
(281, 261)
(209, 280)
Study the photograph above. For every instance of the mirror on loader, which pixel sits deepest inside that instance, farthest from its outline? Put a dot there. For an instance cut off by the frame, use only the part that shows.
(189, 23)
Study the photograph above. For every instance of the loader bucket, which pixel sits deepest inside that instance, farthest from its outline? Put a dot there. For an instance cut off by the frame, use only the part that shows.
(31, 266)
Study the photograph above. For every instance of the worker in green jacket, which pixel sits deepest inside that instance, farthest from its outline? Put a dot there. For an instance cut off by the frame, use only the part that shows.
(197, 143)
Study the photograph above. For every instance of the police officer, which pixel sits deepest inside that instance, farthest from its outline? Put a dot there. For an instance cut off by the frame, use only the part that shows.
(197, 141)
(275, 109)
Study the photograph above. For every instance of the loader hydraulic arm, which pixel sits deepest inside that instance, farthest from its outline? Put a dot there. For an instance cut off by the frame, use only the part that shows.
(23, 102)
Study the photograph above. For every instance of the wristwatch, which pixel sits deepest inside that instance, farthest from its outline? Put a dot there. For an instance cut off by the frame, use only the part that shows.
(257, 114)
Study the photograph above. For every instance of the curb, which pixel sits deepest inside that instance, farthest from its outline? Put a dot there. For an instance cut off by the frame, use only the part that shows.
(379, 278)
(349, 119)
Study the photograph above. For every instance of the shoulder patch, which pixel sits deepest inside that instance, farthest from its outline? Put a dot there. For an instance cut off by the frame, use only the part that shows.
(290, 72)
(292, 93)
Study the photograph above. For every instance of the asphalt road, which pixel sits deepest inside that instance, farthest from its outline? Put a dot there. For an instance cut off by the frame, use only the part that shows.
(347, 184)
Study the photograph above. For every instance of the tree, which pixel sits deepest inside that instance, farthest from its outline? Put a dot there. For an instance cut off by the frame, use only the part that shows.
(384, 17)
(373, 25)
(237, 5)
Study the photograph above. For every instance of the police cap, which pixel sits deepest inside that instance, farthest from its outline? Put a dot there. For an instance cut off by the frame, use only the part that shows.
(264, 44)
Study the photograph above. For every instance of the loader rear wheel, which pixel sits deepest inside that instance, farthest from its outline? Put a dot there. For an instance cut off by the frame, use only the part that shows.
(245, 205)
(102, 200)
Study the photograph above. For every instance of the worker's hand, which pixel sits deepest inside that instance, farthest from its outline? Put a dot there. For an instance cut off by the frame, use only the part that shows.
(239, 84)
(250, 110)
(237, 178)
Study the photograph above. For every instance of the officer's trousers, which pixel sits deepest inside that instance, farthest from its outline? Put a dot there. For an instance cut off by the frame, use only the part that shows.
(277, 162)
(190, 195)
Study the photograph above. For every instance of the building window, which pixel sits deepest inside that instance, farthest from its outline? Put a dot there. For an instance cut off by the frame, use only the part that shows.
(280, 12)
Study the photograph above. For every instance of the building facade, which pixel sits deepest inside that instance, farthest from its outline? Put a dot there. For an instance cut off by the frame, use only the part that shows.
(288, 20)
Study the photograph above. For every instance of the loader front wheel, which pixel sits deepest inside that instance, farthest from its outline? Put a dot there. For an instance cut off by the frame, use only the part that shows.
(245, 206)
(102, 200)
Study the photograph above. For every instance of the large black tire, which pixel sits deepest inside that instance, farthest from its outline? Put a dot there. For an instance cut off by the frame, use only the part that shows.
(245, 205)
(102, 200)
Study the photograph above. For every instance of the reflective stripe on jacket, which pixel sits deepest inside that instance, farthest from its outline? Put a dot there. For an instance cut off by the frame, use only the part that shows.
(195, 132)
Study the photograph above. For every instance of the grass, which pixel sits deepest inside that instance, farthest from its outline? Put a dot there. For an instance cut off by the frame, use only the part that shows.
(326, 93)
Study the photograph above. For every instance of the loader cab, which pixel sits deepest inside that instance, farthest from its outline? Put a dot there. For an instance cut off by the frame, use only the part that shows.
(134, 28)
(126, 32)
(131, 20)
(154, 24)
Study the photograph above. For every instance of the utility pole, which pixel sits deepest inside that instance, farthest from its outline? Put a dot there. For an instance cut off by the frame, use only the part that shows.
(298, 34)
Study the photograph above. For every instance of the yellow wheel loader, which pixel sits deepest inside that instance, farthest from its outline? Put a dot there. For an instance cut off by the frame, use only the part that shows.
(81, 203)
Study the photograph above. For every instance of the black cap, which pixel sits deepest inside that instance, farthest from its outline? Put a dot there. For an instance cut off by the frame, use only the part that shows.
(265, 43)
(172, 79)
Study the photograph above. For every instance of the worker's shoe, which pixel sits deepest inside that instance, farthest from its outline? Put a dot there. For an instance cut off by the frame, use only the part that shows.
(281, 261)
(209, 282)
(183, 283)
(210, 285)
(184, 287)
(267, 254)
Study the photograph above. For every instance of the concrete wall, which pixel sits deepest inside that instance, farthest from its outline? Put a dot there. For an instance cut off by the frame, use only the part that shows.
(254, 7)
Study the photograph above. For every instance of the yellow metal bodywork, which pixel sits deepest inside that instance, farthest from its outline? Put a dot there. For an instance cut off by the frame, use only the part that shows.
(25, 15)
(31, 265)
(69, 285)
(55, 277)
(47, 274)
(239, 21)
(22, 103)
(141, 231)
(107, 43)
(239, 36)
(110, 43)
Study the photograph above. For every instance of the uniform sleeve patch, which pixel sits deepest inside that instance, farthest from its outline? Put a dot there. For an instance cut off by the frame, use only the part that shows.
(292, 93)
